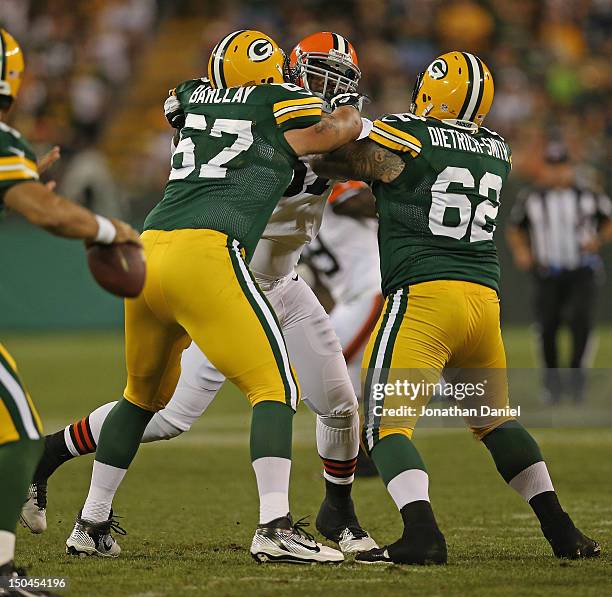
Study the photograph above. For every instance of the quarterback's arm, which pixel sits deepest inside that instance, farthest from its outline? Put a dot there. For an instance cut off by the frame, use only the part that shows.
(334, 130)
(361, 160)
(61, 217)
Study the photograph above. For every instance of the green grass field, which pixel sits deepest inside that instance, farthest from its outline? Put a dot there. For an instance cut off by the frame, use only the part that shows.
(190, 505)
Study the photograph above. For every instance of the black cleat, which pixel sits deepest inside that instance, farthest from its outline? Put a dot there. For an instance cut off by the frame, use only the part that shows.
(420, 544)
(569, 542)
(9, 573)
(341, 526)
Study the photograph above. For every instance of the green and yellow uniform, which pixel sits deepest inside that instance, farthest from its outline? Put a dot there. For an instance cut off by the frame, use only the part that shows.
(230, 168)
(18, 417)
(439, 266)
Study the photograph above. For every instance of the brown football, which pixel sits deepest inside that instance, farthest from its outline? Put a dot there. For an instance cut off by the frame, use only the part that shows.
(119, 268)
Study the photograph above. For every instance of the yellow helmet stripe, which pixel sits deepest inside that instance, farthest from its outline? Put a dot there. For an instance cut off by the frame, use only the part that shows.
(217, 74)
(475, 90)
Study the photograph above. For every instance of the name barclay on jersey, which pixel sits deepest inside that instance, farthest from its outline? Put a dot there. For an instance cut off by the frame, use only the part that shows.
(482, 410)
(205, 94)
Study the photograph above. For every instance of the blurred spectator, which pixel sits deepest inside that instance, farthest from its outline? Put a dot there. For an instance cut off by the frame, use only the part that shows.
(88, 180)
(557, 228)
(550, 60)
(79, 57)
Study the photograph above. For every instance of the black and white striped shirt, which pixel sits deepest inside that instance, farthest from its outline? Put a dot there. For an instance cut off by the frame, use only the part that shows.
(559, 221)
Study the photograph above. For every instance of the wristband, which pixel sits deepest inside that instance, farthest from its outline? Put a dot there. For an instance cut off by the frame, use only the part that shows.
(366, 127)
(106, 231)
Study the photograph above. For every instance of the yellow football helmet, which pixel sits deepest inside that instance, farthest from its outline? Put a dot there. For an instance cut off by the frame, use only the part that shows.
(457, 88)
(11, 68)
(246, 57)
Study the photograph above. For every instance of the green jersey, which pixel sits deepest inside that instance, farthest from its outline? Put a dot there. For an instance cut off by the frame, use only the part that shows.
(17, 160)
(437, 218)
(232, 163)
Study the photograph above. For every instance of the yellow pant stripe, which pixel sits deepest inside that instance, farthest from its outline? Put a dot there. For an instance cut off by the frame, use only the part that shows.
(8, 431)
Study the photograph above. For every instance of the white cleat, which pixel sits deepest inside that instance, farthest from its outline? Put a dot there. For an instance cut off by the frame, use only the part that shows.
(341, 526)
(34, 511)
(283, 541)
(94, 538)
(354, 541)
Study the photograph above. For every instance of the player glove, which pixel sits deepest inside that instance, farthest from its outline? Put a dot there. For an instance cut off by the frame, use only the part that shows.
(174, 112)
(357, 100)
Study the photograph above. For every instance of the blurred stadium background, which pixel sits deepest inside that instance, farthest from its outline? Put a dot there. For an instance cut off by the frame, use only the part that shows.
(98, 72)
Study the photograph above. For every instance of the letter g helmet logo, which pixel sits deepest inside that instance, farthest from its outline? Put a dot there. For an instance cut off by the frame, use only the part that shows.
(260, 49)
(438, 69)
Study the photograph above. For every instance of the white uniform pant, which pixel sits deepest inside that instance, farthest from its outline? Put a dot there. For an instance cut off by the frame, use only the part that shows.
(353, 322)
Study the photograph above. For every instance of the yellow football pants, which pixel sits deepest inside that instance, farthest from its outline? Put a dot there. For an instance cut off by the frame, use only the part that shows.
(18, 416)
(199, 287)
(425, 329)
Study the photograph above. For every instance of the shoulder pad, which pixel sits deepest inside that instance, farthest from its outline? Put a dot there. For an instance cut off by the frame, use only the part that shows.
(398, 132)
(292, 102)
(5, 128)
(493, 133)
(17, 160)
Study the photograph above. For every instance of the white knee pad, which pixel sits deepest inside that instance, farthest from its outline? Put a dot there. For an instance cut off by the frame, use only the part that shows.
(338, 436)
(158, 428)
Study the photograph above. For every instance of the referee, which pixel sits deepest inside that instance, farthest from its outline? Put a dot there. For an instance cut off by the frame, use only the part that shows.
(556, 230)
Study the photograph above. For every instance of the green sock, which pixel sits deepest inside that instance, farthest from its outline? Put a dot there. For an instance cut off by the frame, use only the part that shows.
(18, 461)
(394, 454)
(121, 434)
(513, 449)
(271, 430)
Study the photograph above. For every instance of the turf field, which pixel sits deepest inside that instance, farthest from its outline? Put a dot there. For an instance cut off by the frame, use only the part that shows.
(190, 504)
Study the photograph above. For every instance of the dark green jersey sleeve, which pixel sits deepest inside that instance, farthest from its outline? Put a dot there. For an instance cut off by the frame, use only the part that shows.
(17, 160)
(403, 134)
(293, 107)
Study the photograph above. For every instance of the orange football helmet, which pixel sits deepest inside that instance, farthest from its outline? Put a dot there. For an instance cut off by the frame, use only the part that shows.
(325, 64)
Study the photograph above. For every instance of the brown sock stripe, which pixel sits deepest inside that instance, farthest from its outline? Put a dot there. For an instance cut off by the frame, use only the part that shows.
(87, 435)
(339, 462)
(77, 437)
(345, 469)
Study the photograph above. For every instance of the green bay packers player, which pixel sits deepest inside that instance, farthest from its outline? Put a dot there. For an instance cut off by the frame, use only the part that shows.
(312, 345)
(21, 192)
(243, 131)
(437, 177)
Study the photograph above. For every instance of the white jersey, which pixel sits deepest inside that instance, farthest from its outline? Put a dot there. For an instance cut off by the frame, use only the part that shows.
(345, 253)
(294, 223)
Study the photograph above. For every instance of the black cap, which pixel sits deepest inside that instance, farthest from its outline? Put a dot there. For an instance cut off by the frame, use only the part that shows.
(556, 153)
